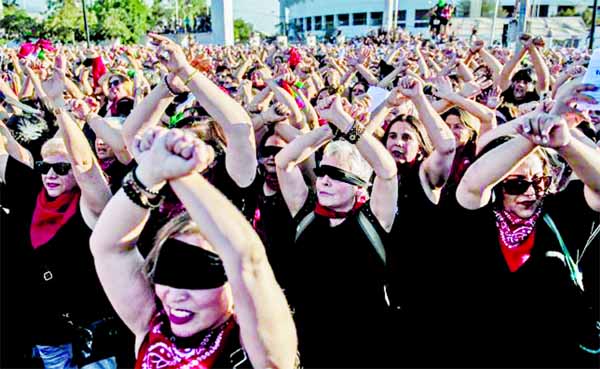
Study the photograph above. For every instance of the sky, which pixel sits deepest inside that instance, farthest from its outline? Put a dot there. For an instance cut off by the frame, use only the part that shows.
(263, 14)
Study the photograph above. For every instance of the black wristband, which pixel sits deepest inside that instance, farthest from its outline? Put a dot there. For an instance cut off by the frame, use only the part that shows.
(141, 185)
(170, 89)
(136, 196)
(337, 133)
(354, 133)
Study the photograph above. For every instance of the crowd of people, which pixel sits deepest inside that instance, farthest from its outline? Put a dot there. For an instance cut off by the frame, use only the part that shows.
(388, 202)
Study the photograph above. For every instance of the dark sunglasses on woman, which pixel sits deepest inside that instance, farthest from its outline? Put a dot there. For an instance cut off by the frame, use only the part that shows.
(59, 168)
(114, 83)
(519, 185)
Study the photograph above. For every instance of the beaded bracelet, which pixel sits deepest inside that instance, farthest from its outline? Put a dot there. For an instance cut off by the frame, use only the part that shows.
(134, 193)
(141, 185)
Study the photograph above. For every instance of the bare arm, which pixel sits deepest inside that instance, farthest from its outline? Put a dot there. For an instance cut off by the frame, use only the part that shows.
(293, 188)
(367, 74)
(541, 70)
(14, 148)
(296, 119)
(585, 162)
(493, 63)
(110, 133)
(95, 191)
(509, 69)
(475, 189)
(266, 325)
(147, 114)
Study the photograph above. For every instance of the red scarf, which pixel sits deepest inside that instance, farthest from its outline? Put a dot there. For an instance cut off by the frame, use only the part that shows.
(333, 214)
(159, 351)
(516, 236)
(50, 216)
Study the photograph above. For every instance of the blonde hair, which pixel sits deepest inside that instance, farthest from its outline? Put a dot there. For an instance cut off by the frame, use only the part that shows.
(348, 155)
(54, 146)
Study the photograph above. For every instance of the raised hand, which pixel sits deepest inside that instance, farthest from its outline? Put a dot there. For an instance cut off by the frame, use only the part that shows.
(168, 154)
(396, 98)
(170, 54)
(410, 87)
(277, 113)
(54, 87)
(330, 108)
(492, 98)
(546, 130)
(443, 87)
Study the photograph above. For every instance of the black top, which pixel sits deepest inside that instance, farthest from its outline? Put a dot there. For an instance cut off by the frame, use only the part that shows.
(509, 99)
(337, 290)
(532, 317)
(61, 278)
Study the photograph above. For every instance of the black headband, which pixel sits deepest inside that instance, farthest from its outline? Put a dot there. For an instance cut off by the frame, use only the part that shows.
(184, 266)
(339, 175)
(267, 151)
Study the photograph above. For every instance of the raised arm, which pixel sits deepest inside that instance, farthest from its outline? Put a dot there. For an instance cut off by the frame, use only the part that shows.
(296, 118)
(147, 114)
(14, 148)
(435, 170)
(240, 159)
(266, 325)
(510, 67)
(287, 161)
(384, 195)
(486, 116)
(95, 191)
(540, 66)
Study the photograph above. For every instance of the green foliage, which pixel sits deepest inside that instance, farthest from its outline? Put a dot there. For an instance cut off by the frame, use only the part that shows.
(16, 22)
(487, 9)
(193, 8)
(65, 23)
(127, 19)
(241, 30)
(568, 12)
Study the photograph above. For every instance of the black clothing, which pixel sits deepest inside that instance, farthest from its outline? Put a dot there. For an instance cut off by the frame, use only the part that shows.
(337, 291)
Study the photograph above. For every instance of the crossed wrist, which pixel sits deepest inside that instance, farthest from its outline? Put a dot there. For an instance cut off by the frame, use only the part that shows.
(150, 183)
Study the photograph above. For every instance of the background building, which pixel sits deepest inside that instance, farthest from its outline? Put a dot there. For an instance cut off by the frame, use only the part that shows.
(357, 17)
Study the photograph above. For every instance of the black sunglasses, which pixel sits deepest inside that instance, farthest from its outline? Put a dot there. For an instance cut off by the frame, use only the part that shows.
(339, 174)
(519, 185)
(269, 151)
(59, 168)
(114, 83)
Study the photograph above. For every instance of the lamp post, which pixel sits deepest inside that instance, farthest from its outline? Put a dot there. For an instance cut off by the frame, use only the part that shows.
(593, 30)
(85, 23)
(494, 23)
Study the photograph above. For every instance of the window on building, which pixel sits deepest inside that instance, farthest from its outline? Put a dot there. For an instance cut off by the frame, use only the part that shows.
(300, 24)
(359, 19)
(402, 25)
(421, 18)
(318, 23)
(376, 18)
(308, 23)
(343, 19)
(542, 11)
(509, 10)
(401, 15)
(329, 22)
(566, 11)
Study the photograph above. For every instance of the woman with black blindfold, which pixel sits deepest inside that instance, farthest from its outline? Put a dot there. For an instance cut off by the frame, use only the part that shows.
(206, 296)
(530, 280)
(337, 280)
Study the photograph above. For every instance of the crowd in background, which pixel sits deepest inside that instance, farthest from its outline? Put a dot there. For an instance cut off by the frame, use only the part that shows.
(392, 201)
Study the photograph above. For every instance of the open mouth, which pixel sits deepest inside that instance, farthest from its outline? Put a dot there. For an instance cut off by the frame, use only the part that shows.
(180, 316)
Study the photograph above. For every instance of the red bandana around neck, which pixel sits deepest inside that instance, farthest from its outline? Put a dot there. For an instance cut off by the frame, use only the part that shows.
(516, 236)
(332, 214)
(50, 216)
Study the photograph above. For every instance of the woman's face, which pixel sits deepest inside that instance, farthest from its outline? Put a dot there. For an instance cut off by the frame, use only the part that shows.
(336, 195)
(116, 88)
(525, 205)
(192, 311)
(103, 150)
(56, 184)
(461, 133)
(269, 162)
(403, 143)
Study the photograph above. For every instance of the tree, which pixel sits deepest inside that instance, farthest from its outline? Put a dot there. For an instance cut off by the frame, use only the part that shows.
(568, 12)
(127, 19)
(17, 24)
(241, 30)
(65, 23)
